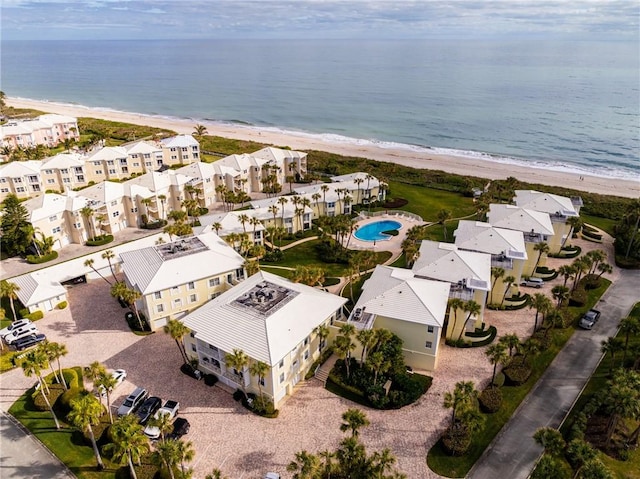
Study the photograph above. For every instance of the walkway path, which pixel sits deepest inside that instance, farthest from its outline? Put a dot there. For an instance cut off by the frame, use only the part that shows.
(513, 453)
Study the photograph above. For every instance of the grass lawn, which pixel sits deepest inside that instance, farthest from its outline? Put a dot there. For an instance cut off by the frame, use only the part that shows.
(426, 202)
(67, 443)
(449, 466)
(305, 255)
(605, 224)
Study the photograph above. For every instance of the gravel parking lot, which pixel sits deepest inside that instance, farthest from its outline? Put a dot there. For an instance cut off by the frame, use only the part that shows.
(223, 433)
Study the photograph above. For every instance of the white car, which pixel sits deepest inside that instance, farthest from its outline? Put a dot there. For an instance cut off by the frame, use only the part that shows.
(170, 408)
(21, 332)
(13, 326)
(119, 375)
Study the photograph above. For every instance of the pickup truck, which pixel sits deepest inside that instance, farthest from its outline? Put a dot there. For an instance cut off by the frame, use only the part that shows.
(170, 408)
(589, 319)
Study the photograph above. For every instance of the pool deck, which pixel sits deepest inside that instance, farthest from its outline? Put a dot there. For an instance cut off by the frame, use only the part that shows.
(392, 244)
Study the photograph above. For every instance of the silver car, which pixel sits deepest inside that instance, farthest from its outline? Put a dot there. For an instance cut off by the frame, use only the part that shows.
(133, 401)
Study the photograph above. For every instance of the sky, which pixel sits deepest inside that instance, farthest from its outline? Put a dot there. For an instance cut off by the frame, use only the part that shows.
(315, 19)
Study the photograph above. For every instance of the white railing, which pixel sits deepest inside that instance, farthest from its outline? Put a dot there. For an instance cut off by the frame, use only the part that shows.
(391, 214)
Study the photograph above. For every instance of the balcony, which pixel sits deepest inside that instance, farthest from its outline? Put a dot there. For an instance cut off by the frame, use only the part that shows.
(361, 319)
(501, 261)
(460, 291)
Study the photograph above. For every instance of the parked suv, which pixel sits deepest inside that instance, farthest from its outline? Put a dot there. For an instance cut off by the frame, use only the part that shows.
(133, 401)
(589, 319)
(27, 342)
(22, 332)
(18, 323)
(533, 282)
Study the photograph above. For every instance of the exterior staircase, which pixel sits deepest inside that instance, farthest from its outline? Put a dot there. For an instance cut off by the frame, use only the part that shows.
(322, 373)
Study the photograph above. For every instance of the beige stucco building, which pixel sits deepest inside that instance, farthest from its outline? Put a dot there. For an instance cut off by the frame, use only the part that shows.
(48, 130)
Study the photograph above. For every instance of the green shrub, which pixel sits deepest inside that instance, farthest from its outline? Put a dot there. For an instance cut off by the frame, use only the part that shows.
(456, 440)
(61, 305)
(578, 297)
(490, 400)
(55, 391)
(100, 240)
(515, 375)
(34, 259)
(499, 379)
(262, 406)
(491, 335)
(154, 225)
(591, 281)
(273, 256)
(24, 312)
(63, 404)
(391, 203)
(35, 316)
(210, 379)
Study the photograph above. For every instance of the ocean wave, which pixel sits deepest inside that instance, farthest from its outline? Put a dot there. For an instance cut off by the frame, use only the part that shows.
(600, 171)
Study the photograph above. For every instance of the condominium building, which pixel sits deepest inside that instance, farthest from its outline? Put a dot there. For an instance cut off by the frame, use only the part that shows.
(175, 278)
(21, 178)
(180, 150)
(48, 130)
(271, 320)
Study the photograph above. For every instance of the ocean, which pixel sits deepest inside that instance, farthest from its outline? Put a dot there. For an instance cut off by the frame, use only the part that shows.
(553, 104)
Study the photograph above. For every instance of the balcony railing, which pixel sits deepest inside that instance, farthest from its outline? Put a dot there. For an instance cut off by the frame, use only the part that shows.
(460, 292)
(362, 319)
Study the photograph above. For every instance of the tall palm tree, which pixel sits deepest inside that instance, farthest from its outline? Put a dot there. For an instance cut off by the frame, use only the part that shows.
(283, 201)
(177, 330)
(560, 294)
(566, 271)
(167, 455)
(32, 364)
(471, 308)
(462, 395)
(575, 223)
(185, 453)
(109, 255)
(56, 351)
(551, 440)
(86, 411)
(304, 466)
(48, 350)
(444, 216)
(128, 442)
(324, 189)
(455, 304)
(634, 210)
(10, 290)
(238, 360)
(107, 383)
(89, 263)
(509, 281)
(496, 274)
(354, 420)
(611, 346)
(497, 354)
(260, 370)
(378, 363)
(163, 200)
(200, 130)
(87, 213)
(343, 345)
(323, 333)
(358, 181)
(367, 338)
(579, 453)
(629, 326)
(131, 296)
(542, 248)
(541, 304)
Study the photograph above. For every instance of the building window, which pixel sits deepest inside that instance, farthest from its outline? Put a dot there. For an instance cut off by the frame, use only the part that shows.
(134, 210)
(192, 334)
(67, 180)
(20, 189)
(98, 172)
(55, 230)
(214, 295)
(51, 180)
(430, 329)
(262, 381)
(428, 345)
(160, 308)
(115, 214)
(175, 290)
(306, 340)
(281, 378)
(77, 226)
(193, 298)
(177, 303)
(112, 172)
(158, 294)
(306, 354)
(193, 348)
(4, 190)
(110, 163)
(53, 218)
(191, 285)
(281, 365)
(214, 282)
(213, 348)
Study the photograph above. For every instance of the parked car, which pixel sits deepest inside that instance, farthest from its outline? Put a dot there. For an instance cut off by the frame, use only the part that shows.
(533, 282)
(272, 475)
(170, 408)
(589, 319)
(148, 408)
(13, 326)
(191, 371)
(119, 375)
(28, 342)
(180, 427)
(22, 332)
(133, 401)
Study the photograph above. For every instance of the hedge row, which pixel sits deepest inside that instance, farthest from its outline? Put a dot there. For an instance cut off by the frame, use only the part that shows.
(33, 259)
(100, 240)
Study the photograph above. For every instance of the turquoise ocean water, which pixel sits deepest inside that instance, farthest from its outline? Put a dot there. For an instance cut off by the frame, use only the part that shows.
(555, 104)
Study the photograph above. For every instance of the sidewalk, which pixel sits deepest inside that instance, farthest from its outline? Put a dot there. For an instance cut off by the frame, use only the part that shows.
(514, 453)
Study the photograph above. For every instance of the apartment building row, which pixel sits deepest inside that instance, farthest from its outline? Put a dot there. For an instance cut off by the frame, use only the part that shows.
(49, 130)
(69, 171)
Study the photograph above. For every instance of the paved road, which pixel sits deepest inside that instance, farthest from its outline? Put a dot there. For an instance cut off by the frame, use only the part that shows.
(513, 453)
(21, 455)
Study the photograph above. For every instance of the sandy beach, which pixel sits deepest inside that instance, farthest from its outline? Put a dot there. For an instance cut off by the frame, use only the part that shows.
(417, 159)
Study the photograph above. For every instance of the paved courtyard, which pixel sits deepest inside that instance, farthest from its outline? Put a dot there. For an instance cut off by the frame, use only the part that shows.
(227, 436)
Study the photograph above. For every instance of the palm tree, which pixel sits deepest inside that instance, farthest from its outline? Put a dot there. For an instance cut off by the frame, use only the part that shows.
(566, 271)
(511, 341)
(324, 189)
(378, 363)
(472, 308)
(542, 304)
(10, 290)
(87, 213)
(444, 216)
(611, 346)
(177, 330)
(101, 218)
(86, 411)
(354, 419)
(343, 345)
(579, 453)
(634, 210)
(106, 382)
(508, 280)
(167, 455)
(238, 360)
(215, 474)
(323, 333)
(576, 223)
(128, 442)
(89, 263)
(462, 395)
(131, 296)
(305, 466)
(455, 304)
(109, 255)
(259, 369)
(367, 339)
(604, 268)
(560, 294)
(185, 453)
(47, 348)
(497, 354)
(541, 248)
(551, 440)
(630, 326)
(32, 364)
(163, 200)
(56, 351)
(530, 347)
(199, 130)
(496, 274)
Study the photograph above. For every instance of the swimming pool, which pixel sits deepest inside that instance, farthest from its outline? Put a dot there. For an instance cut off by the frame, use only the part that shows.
(373, 231)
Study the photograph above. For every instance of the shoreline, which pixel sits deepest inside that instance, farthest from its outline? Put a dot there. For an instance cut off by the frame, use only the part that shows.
(423, 159)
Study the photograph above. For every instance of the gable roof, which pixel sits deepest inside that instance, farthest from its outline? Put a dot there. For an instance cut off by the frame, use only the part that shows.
(63, 160)
(396, 293)
(445, 262)
(150, 271)
(20, 168)
(545, 202)
(520, 219)
(107, 153)
(36, 287)
(179, 141)
(485, 238)
(267, 336)
(277, 155)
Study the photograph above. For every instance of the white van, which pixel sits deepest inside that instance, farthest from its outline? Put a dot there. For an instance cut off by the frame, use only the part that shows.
(22, 332)
(533, 282)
